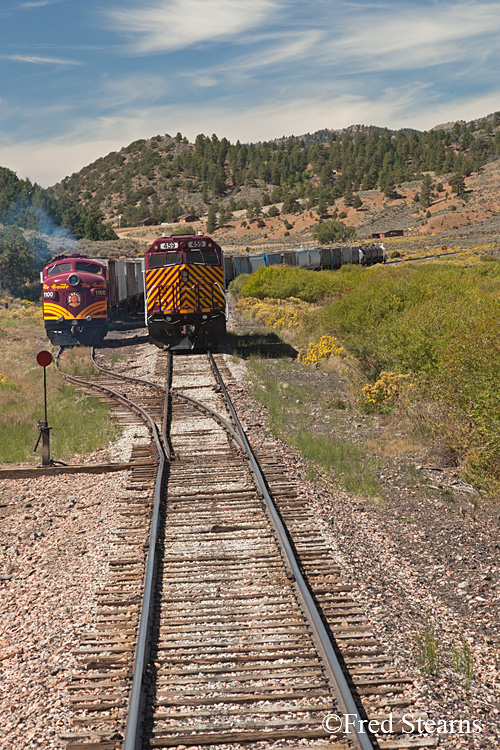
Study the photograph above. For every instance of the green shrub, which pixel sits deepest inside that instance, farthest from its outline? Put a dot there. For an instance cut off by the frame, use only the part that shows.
(236, 284)
(439, 322)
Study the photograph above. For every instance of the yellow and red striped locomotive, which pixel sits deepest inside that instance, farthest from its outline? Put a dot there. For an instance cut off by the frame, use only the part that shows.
(75, 300)
(184, 291)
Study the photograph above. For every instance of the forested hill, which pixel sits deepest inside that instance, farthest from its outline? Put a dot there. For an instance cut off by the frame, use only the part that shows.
(164, 176)
(28, 206)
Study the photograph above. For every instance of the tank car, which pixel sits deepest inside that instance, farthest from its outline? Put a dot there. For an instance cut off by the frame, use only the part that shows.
(75, 300)
(184, 285)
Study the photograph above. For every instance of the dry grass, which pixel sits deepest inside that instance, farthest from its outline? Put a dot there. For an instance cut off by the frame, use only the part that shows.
(80, 424)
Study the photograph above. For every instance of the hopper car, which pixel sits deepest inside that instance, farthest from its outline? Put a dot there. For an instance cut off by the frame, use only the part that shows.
(314, 259)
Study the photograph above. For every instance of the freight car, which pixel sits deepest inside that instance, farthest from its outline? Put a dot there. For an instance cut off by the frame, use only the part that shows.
(80, 294)
(186, 305)
(315, 259)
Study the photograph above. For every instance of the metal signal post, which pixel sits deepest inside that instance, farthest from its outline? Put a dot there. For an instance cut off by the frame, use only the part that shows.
(44, 359)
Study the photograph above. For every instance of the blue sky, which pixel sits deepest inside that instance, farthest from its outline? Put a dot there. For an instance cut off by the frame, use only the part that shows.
(81, 78)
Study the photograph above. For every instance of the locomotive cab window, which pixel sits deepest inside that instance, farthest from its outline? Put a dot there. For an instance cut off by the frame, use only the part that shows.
(208, 256)
(58, 268)
(158, 260)
(88, 267)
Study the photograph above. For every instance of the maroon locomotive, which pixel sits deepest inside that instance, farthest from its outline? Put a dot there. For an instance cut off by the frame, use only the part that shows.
(75, 300)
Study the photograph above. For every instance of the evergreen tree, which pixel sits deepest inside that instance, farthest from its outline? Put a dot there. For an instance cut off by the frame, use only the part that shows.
(426, 189)
(457, 183)
(16, 260)
(322, 206)
(212, 218)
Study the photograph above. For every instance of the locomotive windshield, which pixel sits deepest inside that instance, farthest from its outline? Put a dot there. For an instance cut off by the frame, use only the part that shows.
(208, 256)
(59, 268)
(88, 267)
(158, 260)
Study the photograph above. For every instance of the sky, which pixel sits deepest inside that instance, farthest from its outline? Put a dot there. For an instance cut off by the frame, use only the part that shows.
(81, 78)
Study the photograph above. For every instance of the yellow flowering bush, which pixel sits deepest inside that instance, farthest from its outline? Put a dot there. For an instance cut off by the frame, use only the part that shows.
(323, 350)
(22, 310)
(274, 313)
(384, 391)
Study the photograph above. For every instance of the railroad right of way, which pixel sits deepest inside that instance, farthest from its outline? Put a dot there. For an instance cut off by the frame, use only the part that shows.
(250, 637)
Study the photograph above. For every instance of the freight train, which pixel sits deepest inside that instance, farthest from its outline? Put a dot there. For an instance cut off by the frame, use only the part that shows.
(80, 295)
(317, 258)
(185, 302)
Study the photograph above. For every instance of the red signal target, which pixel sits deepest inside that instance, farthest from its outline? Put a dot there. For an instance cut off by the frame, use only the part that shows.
(44, 358)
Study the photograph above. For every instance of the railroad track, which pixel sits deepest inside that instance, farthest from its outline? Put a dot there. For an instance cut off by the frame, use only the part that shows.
(234, 639)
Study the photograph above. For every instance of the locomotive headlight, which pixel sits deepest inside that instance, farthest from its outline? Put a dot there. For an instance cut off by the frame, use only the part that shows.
(73, 279)
(89, 317)
(168, 318)
(204, 317)
(60, 319)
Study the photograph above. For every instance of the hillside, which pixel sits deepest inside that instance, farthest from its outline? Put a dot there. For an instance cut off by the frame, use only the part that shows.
(28, 206)
(453, 221)
(369, 174)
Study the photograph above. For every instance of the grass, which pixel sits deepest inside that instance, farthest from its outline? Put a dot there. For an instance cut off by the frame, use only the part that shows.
(291, 418)
(433, 656)
(81, 424)
(462, 659)
(429, 651)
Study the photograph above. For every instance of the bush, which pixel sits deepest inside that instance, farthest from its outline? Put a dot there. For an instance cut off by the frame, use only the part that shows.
(437, 322)
(185, 230)
(274, 313)
(238, 283)
(282, 282)
(333, 231)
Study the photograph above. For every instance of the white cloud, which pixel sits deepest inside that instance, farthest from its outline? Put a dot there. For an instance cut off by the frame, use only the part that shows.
(39, 60)
(38, 4)
(417, 37)
(346, 43)
(277, 49)
(169, 25)
(132, 89)
(49, 161)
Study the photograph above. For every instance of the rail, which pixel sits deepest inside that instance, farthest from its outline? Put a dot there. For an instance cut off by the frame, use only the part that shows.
(134, 714)
(321, 638)
(332, 666)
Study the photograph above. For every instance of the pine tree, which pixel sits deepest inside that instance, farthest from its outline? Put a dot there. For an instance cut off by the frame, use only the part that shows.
(212, 218)
(426, 191)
